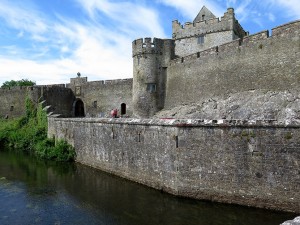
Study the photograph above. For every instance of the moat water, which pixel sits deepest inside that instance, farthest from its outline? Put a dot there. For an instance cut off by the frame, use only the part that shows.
(43, 192)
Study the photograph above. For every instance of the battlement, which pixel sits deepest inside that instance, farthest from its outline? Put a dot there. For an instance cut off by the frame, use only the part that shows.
(77, 81)
(14, 88)
(286, 30)
(109, 82)
(51, 85)
(25, 88)
(100, 83)
(281, 32)
(190, 29)
(148, 46)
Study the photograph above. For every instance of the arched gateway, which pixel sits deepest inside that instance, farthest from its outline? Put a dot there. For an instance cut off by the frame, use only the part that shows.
(78, 108)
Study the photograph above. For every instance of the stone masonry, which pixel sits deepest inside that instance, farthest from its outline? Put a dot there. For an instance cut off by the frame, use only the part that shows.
(253, 163)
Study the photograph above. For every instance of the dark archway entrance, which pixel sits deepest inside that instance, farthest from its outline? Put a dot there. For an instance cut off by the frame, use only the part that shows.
(123, 109)
(79, 108)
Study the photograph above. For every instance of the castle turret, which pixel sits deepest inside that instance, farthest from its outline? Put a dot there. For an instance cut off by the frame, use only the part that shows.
(150, 60)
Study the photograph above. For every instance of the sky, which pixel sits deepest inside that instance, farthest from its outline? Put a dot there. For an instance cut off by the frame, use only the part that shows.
(49, 41)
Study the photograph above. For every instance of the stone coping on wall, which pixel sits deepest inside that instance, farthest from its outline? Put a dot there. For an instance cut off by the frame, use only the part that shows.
(187, 122)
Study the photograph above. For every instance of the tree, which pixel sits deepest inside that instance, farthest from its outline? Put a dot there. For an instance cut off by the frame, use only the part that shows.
(13, 83)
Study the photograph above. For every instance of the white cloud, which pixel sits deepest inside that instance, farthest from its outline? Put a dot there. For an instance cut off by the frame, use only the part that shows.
(242, 10)
(126, 16)
(20, 34)
(191, 8)
(91, 56)
(21, 17)
(293, 7)
(230, 3)
(89, 47)
(271, 17)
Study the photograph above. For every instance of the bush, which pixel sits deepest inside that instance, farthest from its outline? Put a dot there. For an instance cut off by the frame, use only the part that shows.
(29, 134)
(60, 151)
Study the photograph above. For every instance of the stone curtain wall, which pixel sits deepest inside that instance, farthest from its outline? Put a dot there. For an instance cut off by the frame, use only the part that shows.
(12, 102)
(57, 97)
(254, 163)
(257, 62)
(100, 97)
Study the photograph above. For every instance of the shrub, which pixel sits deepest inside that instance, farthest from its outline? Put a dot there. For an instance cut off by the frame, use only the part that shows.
(29, 134)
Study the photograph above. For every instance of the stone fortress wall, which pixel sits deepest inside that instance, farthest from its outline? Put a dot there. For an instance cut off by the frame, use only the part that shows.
(256, 62)
(253, 163)
(12, 102)
(56, 98)
(100, 97)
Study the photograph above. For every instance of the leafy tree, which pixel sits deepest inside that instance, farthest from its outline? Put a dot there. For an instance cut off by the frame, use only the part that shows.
(13, 83)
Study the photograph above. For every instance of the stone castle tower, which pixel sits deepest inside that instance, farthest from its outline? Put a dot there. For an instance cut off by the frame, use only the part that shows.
(150, 61)
(152, 57)
(205, 31)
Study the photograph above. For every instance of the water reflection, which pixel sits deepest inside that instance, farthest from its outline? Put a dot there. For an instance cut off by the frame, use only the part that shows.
(39, 192)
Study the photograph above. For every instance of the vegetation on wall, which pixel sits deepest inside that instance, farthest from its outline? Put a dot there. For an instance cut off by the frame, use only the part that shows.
(13, 83)
(29, 134)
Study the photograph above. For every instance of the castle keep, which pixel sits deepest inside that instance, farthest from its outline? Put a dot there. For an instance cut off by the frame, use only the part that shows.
(212, 113)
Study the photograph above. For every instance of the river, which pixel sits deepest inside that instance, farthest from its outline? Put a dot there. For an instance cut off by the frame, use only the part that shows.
(42, 192)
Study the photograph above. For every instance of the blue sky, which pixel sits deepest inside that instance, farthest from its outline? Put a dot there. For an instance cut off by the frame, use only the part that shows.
(49, 41)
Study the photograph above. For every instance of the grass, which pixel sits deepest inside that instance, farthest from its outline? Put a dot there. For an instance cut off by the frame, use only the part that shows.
(29, 134)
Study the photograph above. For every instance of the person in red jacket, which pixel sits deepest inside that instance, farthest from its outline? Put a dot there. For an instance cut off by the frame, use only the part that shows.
(114, 113)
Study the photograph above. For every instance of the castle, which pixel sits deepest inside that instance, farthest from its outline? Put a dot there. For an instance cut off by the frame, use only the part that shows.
(238, 94)
(209, 64)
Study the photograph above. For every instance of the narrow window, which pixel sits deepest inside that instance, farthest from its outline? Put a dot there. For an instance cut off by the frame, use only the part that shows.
(95, 104)
(176, 140)
(201, 39)
(151, 88)
(12, 108)
(198, 54)
(203, 17)
(138, 58)
(123, 109)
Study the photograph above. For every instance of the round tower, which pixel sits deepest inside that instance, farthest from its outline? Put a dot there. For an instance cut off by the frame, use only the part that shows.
(147, 71)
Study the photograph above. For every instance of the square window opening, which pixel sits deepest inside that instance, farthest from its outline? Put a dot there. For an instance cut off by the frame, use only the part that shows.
(151, 88)
(201, 39)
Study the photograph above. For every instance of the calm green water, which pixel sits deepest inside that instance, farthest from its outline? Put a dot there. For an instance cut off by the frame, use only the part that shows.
(38, 192)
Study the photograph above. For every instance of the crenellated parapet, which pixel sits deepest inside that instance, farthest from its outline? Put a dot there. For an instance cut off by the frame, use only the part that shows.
(147, 46)
(212, 25)
(279, 33)
(287, 30)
